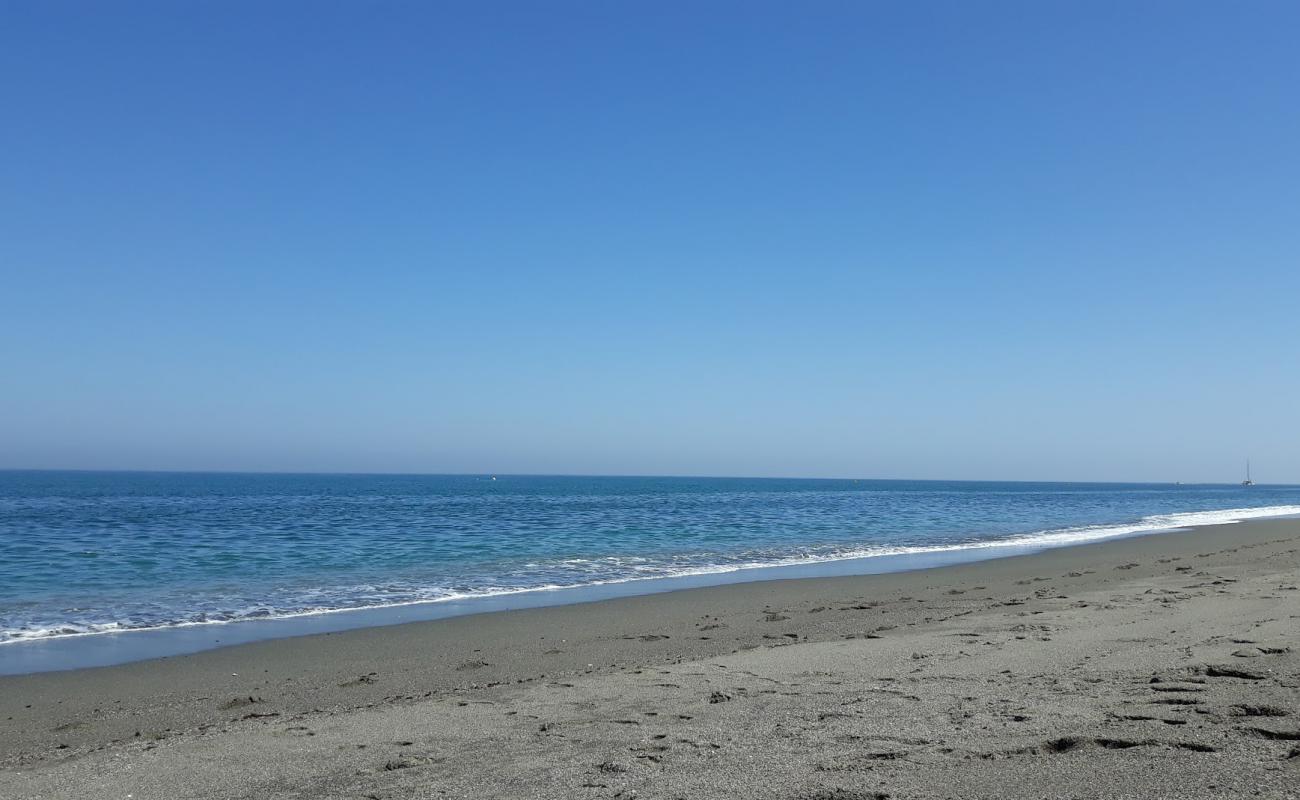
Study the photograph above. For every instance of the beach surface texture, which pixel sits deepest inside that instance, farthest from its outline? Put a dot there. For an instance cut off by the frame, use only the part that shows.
(1160, 666)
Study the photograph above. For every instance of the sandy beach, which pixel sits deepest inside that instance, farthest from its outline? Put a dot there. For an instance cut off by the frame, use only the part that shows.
(1156, 666)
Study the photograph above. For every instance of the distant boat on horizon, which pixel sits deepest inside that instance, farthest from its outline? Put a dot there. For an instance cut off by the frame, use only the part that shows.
(1248, 481)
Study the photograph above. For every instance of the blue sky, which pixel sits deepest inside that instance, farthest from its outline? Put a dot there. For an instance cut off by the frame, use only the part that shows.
(873, 239)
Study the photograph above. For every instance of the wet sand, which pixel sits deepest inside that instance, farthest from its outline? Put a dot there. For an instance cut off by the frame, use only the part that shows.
(1157, 666)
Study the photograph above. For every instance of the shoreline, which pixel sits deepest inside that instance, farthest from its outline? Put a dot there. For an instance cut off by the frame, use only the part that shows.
(111, 647)
(537, 702)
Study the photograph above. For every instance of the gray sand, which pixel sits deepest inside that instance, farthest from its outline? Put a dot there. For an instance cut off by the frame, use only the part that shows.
(1161, 666)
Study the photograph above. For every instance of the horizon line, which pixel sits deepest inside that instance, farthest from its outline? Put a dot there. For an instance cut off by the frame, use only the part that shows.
(326, 473)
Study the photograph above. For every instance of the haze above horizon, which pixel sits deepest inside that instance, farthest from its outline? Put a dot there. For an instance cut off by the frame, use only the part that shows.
(1004, 241)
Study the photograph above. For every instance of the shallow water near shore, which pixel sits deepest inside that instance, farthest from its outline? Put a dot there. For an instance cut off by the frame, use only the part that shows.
(102, 568)
(120, 647)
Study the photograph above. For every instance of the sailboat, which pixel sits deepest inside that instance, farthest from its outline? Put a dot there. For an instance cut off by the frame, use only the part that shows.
(1248, 481)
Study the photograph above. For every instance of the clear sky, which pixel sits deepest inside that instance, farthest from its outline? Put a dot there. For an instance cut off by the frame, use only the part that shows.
(1002, 240)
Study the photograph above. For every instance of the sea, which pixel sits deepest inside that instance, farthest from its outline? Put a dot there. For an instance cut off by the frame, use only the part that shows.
(116, 554)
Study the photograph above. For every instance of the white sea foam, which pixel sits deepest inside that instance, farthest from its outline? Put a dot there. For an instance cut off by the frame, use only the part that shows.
(1039, 540)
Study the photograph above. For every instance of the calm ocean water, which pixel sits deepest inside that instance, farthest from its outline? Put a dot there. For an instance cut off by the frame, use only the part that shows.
(96, 552)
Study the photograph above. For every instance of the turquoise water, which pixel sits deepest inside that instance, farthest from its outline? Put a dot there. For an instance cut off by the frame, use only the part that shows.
(84, 552)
